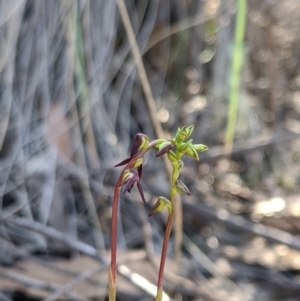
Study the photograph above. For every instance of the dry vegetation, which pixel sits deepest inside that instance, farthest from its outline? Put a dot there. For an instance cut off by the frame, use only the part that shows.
(70, 102)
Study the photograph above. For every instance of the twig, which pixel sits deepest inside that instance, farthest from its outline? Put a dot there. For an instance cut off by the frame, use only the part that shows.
(141, 70)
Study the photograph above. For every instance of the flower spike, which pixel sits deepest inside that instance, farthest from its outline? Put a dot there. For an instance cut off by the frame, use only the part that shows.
(175, 148)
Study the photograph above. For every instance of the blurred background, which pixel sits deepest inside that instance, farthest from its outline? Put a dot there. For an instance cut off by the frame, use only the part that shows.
(71, 102)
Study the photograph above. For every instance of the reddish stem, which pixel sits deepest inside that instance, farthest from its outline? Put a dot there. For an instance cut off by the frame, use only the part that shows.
(114, 220)
(165, 249)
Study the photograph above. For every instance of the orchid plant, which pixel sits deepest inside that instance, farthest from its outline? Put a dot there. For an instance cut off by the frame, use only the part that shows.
(174, 149)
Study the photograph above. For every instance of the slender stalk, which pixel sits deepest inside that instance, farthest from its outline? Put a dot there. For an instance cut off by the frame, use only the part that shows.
(165, 249)
(114, 220)
(168, 230)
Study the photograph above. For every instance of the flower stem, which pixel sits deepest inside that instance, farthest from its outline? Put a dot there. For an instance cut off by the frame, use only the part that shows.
(114, 223)
(113, 250)
(165, 248)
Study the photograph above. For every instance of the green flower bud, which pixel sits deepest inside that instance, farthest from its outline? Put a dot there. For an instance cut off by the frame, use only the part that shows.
(181, 187)
(191, 151)
(161, 204)
(184, 133)
(159, 142)
(164, 148)
(200, 147)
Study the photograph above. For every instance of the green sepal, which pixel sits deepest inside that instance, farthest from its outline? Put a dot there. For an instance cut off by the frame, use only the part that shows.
(181, 188)
(184, 133)
(144, 143)
(164, 144)
(127, 173)
(191, 151)
(177, 136)
(185, 146)
(138, 163)
(161, 204)
(159, 142)
(200, 147)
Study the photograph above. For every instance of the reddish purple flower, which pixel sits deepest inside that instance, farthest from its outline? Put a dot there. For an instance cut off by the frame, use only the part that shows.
(130, 177)
(141, 141)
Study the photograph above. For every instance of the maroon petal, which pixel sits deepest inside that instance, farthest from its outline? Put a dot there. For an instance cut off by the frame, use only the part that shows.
(140, 170)
(123, 162)
(127, 185)
(141, 191)
(136, 144)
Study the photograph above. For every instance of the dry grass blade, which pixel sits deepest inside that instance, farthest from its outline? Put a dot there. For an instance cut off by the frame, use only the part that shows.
(80, 154)
(52, 233)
